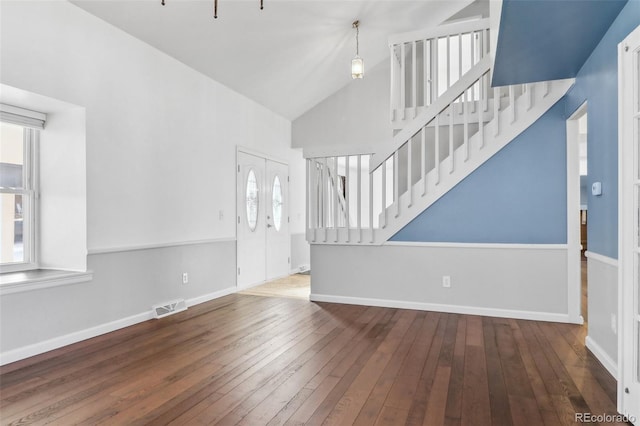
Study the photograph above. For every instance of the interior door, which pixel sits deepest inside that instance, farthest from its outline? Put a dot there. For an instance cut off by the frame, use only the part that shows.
(251, 223)
(629, 348)
(277, 220)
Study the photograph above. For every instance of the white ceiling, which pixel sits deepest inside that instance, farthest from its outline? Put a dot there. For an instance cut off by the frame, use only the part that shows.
(287, 57)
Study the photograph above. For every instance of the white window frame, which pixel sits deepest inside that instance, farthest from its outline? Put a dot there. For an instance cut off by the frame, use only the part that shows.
(31, 138)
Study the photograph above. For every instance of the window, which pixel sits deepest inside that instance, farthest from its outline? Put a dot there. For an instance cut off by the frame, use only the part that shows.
(18, 189)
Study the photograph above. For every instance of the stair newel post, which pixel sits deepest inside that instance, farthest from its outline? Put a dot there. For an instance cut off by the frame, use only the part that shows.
(358, 196)
(437, 148)
(483, 100)
(426, 73)
(473, 61)
(371, 197)
(414, 78)
(403, 100)
(465, 139)
(434, 68)
(335, 196)
(323, 195)
(423, 159)
(452, 161)
(409, 171)
(512, 103)
(496, 111)
(393, 93)
(396, 182)
(308, 200)
(460, 56)
(347, 197)
(384, 194)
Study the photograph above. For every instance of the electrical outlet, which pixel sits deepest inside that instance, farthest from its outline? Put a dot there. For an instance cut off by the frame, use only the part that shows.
(446, 281)
(221, 215)
(614, 324)
(185, 277)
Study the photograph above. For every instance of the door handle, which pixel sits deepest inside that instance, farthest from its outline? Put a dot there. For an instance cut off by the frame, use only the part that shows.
(269, 225)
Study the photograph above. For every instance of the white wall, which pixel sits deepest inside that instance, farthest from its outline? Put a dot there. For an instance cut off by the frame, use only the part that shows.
(158, 132)
(602, 291)
(300, 250)
(160, 158)
(515, 281)
(63, 189)
(357, 115)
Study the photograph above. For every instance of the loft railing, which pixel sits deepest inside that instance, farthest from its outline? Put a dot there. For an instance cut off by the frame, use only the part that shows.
(426, 63)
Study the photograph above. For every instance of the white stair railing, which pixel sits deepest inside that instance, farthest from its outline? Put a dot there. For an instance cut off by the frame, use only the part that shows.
(426, 63)
(383, 191)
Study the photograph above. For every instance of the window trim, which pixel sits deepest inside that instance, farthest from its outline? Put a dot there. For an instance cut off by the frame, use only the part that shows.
(30, 194)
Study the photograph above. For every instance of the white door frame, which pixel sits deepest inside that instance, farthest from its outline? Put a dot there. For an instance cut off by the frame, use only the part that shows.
(573, 217)
(627, 199)
(255, 153)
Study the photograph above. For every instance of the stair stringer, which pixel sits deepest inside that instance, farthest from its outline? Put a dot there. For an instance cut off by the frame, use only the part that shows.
(402, 212)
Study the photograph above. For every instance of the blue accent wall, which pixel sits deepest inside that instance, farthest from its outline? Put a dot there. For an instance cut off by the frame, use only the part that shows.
(597, 84)
(543, 40)
(517, 196)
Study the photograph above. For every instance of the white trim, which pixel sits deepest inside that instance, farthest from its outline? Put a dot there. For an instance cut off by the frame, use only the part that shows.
(104, 250)
(88, 333)
(436, 307)
(257, 153)
(68, 339)
(38, 283)
(602, 356)
(210, 296)
(628, 386)
(460, 27)
(601, 258)
(574, 272)
(477, 245)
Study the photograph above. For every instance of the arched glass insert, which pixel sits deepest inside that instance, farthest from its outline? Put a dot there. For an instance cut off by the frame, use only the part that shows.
(252, 200)
(276, 202)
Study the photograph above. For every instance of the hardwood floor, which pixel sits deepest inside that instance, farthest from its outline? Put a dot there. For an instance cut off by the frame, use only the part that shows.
(296, 286)
(251, 360)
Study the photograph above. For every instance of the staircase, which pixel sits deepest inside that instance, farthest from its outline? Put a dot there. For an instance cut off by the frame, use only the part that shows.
(447, 122)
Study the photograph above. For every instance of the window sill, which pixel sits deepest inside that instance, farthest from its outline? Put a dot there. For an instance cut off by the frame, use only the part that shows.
(18, 282)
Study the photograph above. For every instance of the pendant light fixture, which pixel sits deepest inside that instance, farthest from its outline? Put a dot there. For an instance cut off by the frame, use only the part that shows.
(357, 64)
(215, 7)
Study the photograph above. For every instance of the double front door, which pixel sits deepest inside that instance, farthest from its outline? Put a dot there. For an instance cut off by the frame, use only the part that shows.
(262, 219)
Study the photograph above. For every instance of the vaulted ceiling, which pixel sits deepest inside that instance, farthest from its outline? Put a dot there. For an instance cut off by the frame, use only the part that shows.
(287, 57)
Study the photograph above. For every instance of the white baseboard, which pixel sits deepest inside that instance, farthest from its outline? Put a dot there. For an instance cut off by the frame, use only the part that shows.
(78, 336)
(602, 356)
(206, 297)
(68, 339)
(436, 307)
(300, 268)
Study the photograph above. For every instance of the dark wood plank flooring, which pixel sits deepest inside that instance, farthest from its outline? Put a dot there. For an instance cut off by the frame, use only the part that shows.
(253, 360)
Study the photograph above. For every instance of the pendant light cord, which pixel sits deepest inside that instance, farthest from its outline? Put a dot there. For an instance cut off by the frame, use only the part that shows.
(356, 25)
